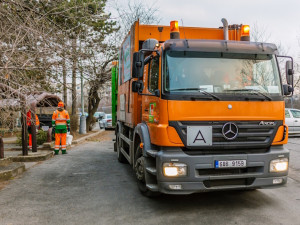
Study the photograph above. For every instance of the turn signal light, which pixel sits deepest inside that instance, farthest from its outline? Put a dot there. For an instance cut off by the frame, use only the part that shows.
(141, 145)
(174, 26)
(245, 30)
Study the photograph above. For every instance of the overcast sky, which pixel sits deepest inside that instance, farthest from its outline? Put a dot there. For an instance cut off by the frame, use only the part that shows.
(280, 19)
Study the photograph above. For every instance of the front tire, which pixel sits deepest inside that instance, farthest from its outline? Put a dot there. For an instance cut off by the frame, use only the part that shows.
(140, 171)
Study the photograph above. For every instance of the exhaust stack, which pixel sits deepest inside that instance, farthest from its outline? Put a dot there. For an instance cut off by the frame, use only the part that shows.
(225, 28)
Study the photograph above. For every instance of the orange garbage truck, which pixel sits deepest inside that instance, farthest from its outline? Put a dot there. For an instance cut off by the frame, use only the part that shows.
(201, 109)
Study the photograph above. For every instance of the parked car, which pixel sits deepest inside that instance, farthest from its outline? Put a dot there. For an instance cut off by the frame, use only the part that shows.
(97, 115)
(105, 121)
(85, 113)
(292, 119)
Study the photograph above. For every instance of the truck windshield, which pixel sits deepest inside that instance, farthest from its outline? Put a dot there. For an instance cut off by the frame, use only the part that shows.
(221, 73)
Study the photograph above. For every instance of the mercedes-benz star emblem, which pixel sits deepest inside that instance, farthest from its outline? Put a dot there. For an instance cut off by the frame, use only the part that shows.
(230, 131)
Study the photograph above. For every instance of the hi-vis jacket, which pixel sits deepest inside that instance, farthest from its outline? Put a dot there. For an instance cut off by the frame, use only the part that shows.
(60, 120)
(29, 119)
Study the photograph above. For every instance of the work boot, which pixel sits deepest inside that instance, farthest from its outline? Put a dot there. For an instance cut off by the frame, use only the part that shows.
(64, 152)
(56, 152)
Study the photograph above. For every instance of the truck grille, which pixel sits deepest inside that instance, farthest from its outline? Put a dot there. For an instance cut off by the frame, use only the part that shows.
(230, 171)
(251, 135)
(228, 182)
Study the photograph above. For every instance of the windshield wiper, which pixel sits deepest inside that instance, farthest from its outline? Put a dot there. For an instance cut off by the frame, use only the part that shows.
(197, 89)
(252, 91)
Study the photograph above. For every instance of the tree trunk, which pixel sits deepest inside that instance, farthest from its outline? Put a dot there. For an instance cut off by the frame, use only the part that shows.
(74, 67)
(93, 103)
(64, 72)
(24, 131)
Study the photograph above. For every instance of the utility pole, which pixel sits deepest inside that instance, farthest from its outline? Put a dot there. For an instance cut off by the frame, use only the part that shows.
(82, 128)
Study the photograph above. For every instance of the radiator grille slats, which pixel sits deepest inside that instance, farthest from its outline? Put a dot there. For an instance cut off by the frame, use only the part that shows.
(250, 134)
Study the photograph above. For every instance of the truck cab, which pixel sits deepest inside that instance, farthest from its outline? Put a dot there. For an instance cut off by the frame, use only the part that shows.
(207, 113)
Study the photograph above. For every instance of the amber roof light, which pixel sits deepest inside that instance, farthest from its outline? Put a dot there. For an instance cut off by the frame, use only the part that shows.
(174, 26)
(245, 30)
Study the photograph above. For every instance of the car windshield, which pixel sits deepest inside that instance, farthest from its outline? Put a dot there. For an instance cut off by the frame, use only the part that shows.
(221, 73)
(108, 116)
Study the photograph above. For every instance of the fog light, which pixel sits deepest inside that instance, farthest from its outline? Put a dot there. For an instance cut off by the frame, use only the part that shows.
(175, 186)
(174, 169)
(277, 181)
(279, 165)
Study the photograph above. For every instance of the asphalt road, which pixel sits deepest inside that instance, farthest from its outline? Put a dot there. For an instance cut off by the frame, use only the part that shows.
(89, 186)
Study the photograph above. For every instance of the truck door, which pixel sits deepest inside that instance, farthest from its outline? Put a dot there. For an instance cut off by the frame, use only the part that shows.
(150, 104)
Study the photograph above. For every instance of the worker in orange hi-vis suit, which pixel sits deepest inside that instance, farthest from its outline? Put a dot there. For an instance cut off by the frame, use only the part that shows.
(29, 121)
(61, 124)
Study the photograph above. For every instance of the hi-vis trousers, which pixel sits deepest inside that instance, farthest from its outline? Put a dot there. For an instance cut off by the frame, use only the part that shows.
(60, 141)
(30, 142)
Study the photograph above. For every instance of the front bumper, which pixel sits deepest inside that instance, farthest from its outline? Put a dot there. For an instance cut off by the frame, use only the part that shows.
(202, 175)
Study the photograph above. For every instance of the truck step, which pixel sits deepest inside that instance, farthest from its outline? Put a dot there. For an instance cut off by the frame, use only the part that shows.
(152, 187)
(151, 170)
(152, 153)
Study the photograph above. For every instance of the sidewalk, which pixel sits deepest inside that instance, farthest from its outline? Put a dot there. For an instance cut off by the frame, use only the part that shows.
(15, 163)
(10, 140)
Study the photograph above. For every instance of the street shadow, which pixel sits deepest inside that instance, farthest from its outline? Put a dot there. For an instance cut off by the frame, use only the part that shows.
(235, 199)
(211, 200)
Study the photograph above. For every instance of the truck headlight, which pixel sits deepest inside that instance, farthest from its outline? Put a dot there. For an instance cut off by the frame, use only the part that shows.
(174, 169)
(279, 165)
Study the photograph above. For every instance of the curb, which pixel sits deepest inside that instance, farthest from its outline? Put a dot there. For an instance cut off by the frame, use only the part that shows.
(10, 142)
(32, 157)
(20, 149)
(10, 169)
(79, 140)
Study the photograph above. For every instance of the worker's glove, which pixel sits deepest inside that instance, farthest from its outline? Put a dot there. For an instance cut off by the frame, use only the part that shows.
(69, 129)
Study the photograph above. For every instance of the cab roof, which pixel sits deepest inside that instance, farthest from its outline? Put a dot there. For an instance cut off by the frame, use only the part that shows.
(220, 46)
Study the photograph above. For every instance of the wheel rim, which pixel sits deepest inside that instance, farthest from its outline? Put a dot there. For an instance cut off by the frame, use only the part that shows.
(139, 168)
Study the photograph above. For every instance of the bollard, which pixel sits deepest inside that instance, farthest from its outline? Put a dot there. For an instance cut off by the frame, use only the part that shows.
(1, 148)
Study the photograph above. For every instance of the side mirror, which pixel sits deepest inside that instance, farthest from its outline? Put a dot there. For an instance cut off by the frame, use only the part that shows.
(157, 93)
(137, 86)
(289, 72)
(287, 89)
(138, 64)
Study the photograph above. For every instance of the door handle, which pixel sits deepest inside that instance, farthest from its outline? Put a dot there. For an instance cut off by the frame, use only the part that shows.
(296, 121)
(146, 110)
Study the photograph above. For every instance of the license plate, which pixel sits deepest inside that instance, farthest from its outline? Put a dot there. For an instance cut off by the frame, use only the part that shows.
(230, 164)
(199, 135)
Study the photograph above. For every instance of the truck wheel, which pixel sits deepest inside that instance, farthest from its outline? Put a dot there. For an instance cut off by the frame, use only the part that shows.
(121, 157)
(140, 174)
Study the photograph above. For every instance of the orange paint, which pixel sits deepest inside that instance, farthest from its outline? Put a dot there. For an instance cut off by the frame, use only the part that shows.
(278, 140)
(218, 110)
(157, 112)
